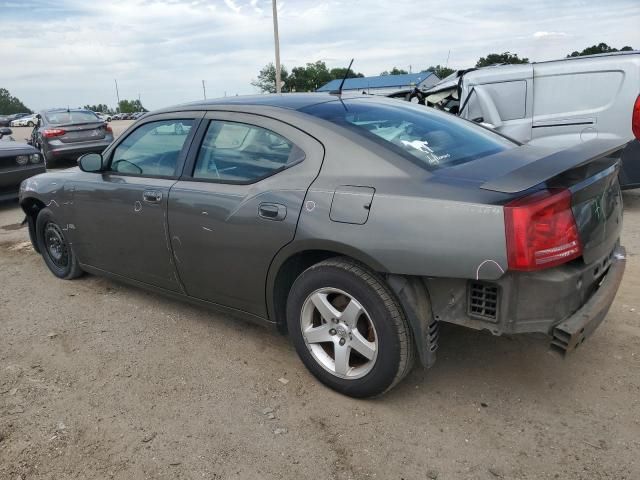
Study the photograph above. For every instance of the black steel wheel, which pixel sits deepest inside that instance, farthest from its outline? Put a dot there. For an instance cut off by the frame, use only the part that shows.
(54, 247)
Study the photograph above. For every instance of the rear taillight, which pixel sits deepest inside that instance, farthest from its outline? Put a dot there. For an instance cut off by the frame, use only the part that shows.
(108, 128)
(53, 132)
(635, 119)
(541, 231)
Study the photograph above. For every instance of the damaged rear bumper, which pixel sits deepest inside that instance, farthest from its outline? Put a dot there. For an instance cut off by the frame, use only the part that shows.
(565, 303)
(569, 335)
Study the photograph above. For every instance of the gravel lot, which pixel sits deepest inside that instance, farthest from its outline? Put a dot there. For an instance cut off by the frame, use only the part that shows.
(100, 380)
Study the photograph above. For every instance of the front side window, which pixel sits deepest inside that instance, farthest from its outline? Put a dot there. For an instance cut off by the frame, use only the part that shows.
(152, 149)
(427, 137)
(241, 153)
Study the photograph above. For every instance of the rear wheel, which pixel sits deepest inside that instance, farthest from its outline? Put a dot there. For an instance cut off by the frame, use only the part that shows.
(30, 123)
(54, 247)
(348, 329)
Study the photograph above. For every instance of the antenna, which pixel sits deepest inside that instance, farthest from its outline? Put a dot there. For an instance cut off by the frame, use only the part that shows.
(339, 90)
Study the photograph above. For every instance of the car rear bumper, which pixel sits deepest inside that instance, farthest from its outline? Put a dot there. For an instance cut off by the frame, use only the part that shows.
(10, 179)
(566, 303)
(569, 335)
(76, 150)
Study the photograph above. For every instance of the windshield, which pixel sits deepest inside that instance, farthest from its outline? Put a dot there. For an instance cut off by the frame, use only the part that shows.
(429, 138)
(74, 116)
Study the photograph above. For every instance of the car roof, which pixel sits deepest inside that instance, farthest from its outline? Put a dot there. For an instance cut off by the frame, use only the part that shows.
(291, 101)
(52, 110)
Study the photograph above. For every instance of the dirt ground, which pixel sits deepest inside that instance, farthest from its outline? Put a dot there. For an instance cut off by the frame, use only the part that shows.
(100, 380)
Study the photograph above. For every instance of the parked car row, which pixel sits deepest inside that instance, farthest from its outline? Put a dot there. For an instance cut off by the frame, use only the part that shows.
(5, 120)
(128, 116)
(25, 121)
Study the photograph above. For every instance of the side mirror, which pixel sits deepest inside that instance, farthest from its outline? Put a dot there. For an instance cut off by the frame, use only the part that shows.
(90, 162)
(5, 131)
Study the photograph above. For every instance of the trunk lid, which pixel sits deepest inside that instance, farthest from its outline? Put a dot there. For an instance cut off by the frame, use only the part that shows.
(84, 132)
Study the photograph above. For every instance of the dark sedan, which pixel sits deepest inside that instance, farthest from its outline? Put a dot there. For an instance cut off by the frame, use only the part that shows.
(358, 225)
(68, 134)
(18, 161)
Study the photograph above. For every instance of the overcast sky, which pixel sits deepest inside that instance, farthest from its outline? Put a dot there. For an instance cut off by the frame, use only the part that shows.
(68, 52)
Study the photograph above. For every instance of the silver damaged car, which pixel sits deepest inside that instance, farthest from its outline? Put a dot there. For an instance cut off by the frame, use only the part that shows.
(356, 224)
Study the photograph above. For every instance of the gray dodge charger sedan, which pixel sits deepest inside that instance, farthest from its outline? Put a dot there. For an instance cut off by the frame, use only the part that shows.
(356, 225)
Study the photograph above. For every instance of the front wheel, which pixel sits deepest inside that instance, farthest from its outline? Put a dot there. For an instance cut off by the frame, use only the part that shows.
(55, 248)
(349, 329)
(30, 124)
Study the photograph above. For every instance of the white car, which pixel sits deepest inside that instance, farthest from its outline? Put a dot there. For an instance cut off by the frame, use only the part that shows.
(103, 116)
(28, 121)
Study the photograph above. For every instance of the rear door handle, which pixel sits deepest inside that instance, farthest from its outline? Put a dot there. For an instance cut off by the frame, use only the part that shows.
(272, 211)
(152, 196)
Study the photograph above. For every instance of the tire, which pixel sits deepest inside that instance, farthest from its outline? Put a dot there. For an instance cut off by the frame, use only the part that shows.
(30, 123)
(381, 360)
(53, 245)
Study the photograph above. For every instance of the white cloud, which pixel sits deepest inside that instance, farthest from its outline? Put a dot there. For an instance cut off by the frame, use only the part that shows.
(163, 49)
(545, 35)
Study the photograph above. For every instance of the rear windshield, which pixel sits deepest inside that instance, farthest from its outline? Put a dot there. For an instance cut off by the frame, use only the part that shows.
(423, 135)
(65, 118)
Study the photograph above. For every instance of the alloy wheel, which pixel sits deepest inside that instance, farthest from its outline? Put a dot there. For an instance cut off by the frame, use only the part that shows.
(339, 333)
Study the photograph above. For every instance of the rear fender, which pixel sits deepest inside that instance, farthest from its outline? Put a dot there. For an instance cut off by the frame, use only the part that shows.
(414, 299)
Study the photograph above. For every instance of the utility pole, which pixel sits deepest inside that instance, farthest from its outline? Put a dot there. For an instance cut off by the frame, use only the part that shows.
(204, 90)
(448, 55)
(277, 44)
(117, 95)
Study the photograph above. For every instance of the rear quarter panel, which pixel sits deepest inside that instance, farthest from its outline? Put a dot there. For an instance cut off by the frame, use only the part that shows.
(417, 224)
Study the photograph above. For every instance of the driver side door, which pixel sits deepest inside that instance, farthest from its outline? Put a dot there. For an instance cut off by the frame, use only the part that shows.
(121, 213)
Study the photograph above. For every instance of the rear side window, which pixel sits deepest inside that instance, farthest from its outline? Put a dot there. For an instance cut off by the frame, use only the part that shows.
(64, 118)
(235, 152)
(152, 149)
(429, 138)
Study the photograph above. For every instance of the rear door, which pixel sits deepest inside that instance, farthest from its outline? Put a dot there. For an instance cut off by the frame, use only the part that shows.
(120, 214)
(238, 204)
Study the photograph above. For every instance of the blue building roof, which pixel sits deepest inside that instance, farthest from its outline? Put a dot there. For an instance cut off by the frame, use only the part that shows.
(381, 81)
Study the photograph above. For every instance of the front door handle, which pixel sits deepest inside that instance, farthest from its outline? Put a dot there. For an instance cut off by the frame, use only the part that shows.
(151, 196)
(272, 211)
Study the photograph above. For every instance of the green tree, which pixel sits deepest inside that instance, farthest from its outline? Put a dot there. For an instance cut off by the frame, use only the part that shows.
(266, 80)
(101, 107)
(440, 71)
(599, 48)
(131, 106)
(10, 104)
(306, 78)
(309, 78)
(497, 58)
(340, 71)
(394, 71)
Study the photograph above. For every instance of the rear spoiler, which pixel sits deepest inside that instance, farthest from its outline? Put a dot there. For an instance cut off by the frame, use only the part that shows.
(554, 164)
